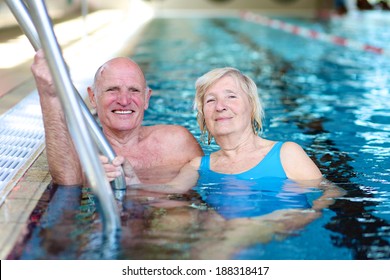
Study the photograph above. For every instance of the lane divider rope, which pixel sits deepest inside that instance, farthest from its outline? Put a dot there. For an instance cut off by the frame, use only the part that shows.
(312, 34)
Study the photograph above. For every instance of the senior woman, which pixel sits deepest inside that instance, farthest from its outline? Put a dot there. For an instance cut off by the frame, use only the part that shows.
(229, 110)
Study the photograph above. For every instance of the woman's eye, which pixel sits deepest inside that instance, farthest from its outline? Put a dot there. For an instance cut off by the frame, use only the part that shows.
(209, 100)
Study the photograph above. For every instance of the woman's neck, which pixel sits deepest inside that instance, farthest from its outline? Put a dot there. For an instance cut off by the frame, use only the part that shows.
(233, 145)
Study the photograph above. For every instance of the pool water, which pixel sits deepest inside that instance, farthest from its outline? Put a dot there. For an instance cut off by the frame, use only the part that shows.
(332, 100)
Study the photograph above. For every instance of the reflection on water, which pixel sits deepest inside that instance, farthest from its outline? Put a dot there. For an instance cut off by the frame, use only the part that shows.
(331, 100)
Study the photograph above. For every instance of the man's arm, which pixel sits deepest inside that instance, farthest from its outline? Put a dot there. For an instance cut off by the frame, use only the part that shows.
(64, 164)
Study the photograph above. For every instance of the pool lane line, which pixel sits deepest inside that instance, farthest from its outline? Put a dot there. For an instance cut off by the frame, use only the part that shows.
(312, 34)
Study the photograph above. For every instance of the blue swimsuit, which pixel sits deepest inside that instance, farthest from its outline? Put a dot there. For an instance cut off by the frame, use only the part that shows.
(258, 191)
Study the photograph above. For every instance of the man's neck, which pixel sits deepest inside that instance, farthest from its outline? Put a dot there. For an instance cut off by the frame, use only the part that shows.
(121, 139)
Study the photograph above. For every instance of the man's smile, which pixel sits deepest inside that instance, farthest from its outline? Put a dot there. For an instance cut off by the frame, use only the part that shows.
(123, 112)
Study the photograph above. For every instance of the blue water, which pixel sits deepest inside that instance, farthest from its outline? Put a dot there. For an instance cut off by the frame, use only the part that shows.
(331, 100)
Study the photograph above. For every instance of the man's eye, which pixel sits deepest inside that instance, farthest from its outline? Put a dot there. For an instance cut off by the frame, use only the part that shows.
(136, 90)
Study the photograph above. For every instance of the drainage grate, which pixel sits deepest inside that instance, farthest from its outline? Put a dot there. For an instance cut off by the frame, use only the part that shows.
(21, 134)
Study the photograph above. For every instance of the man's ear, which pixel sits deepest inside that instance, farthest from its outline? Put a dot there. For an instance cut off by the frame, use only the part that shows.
(148, 94)
(91, 96)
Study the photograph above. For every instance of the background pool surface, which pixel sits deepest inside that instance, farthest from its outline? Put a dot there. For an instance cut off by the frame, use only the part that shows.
(332, 100)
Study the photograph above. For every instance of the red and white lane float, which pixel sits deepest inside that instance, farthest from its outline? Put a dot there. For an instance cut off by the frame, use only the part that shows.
(312, 34)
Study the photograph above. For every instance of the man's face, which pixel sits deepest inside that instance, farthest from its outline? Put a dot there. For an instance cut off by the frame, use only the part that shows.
(120, 96)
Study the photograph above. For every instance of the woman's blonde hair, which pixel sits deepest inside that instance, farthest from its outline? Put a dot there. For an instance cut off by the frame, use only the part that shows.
(246, 84)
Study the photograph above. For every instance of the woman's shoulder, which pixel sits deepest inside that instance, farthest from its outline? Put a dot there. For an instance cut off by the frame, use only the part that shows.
(297, 163)
(291, 148)
(286, 148)
(283, 144)
(267, 145)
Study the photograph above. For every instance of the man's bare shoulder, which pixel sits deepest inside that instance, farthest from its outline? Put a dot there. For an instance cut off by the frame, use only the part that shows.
(174, 139)
(167, 131)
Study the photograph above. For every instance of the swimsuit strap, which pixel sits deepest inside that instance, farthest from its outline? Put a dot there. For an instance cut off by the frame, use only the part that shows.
(205, 163)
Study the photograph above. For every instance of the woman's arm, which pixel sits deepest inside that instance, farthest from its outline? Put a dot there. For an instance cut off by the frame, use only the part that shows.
(330, 193)
(300, 168)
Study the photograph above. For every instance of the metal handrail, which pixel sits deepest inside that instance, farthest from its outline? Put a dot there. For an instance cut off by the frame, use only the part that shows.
(22, 16)
(85, 147)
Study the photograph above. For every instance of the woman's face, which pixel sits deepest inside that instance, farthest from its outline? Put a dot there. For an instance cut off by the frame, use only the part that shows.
(226, 109)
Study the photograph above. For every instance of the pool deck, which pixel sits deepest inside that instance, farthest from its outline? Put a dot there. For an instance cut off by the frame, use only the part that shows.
(102, 35)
